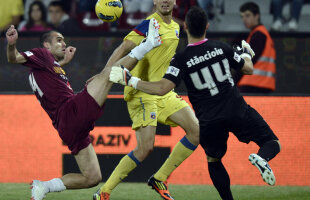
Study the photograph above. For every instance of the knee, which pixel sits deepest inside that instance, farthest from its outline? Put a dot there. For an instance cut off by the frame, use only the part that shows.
(194, 130)
(142, 152)
(192, 133)
(147, 150)
(94, 178)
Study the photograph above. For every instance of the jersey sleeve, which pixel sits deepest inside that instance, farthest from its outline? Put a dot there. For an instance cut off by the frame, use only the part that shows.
(35, 58)
(138, 33)
(235, 61)
(175, 71)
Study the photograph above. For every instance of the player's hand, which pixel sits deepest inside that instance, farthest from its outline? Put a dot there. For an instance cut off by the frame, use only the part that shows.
(69, 54)
(121, 75)
(12, 35)
(247, 48)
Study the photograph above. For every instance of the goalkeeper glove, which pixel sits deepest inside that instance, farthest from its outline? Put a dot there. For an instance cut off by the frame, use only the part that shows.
(245, 51)
(121, 75)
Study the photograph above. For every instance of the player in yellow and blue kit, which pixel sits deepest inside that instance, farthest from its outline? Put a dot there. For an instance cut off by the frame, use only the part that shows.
(146, 110)
(152, 68)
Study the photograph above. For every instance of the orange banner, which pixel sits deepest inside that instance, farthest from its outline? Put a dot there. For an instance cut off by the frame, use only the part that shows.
(31, 149)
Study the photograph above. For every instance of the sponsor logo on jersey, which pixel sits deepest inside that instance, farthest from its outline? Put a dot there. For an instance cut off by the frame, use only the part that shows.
(153, 115)
(237, 57)
(29, 53)
(209, 54)
(59, 70)
(173, 71)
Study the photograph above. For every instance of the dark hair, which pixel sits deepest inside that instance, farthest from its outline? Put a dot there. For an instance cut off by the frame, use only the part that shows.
(46, 37)
(196, 20)
(30, 21)
(58, 4)
(251, 6)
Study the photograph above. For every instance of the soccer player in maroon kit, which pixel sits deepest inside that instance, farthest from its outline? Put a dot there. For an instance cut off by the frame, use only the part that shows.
(73, 115)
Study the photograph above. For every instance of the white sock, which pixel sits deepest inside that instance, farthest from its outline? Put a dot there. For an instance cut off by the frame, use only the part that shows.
(54, 185)
(139, 51)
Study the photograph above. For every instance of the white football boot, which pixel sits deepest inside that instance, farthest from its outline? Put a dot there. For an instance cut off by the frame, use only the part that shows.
(38, 190)
(264, 168)
(153, 37)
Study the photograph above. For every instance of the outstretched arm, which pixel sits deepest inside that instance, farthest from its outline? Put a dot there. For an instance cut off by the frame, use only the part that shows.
(13, 55)
(122, 76)
(160, 88)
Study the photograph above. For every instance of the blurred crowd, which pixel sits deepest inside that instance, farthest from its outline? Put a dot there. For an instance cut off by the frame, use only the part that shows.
(73, 16)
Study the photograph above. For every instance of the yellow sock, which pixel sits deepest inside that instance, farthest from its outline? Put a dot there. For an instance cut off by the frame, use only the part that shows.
(125, 166)
(180, 152)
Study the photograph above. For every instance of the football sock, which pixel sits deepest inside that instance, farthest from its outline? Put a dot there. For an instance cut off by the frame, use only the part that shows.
(220, 179)
(54, 185)
(269, 150)
(125, 166)
(180, 152)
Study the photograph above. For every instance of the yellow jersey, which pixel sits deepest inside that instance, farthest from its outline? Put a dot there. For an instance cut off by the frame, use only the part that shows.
(155, 63)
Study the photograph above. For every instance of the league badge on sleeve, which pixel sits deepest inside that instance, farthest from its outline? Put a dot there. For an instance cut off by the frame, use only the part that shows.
(173, 71)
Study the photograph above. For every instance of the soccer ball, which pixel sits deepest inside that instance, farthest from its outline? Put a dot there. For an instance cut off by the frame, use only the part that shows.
(109, 10)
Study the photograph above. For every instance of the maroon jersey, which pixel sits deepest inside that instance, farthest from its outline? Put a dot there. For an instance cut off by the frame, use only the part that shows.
(48, 81)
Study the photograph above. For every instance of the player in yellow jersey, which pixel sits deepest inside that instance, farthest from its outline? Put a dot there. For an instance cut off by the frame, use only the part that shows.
(146, 110)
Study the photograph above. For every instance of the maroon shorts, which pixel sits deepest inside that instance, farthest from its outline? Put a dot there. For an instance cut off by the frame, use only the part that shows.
(76, 119)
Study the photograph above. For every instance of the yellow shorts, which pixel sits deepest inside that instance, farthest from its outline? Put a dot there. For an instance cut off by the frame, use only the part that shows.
(147, 111)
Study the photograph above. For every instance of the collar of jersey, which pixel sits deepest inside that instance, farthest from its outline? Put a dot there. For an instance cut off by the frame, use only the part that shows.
(198, 43)
(157, 17)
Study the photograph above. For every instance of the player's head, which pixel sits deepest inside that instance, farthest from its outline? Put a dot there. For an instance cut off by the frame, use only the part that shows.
(164, 7)
(54, 42)
(250, 14)
(196, 22)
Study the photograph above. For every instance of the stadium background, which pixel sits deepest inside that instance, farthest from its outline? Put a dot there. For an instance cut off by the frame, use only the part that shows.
(31, 149)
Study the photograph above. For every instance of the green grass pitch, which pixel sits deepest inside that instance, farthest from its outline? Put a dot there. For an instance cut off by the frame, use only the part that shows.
(139, 191)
